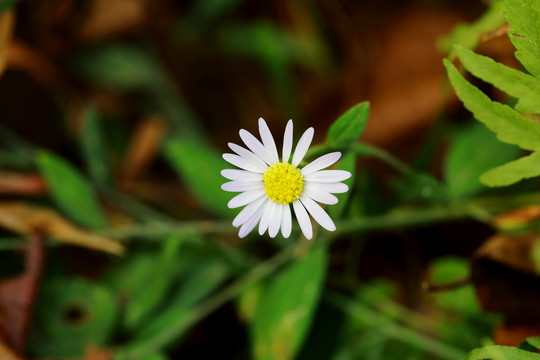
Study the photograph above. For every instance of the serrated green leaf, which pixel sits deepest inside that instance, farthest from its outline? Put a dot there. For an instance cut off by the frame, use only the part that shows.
(523, 16)
(200, 168)
(524, 87)
(469, 35)
(71, 314)
(70, 190)
(508, 124)
(512, 172)
(93, 146)
(465, 163)
(286, 308)
(498, 352)
(349, 126)
(533, 342)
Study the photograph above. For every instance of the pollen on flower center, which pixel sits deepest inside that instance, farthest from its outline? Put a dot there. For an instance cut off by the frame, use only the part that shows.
(283, 183)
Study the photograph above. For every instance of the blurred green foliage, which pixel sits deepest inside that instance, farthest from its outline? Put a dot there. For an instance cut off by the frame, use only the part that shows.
(187, 285)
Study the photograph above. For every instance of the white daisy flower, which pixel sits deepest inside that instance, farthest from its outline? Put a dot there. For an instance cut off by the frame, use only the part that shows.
(268, 186)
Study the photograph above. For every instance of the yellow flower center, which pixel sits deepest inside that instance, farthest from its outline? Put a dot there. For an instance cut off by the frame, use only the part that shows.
(283, 183)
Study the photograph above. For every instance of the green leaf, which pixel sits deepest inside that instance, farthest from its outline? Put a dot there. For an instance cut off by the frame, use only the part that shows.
(200, 168)
(532, 343)
(7, 4)
(70, 190)
(174, 320)
(535, 255)
(507, 123)
(286, 308)
(515, 83)
(93, 147)
(120, 67)
(523, 16)
(469, 35)
(512, 172)
(247, 302)
(71, 314)
(321, 343)
(142, 302)
(205, 12)
(349, 126)
(465, 162)
(448, 270)
(498, 352)
(156, 356)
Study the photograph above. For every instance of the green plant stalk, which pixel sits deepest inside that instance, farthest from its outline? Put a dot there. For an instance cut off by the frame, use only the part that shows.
(372, 318)
(260, 272)
(405, 217)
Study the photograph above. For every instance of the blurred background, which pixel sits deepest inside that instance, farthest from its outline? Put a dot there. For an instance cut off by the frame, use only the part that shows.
(114, 114)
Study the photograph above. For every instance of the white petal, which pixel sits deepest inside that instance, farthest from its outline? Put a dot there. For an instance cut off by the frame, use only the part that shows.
(251, 223)
(245, 198)
(303, 219)
(248, 155)
(242, 163)
(320, 163)
(275, 223)
(321, 196)
(302, 146)
(287, 141)
(268, 213)
(255, 146)
(286, 222)
(268, 140)
(334, 188)
(241, 175)
(241, 186)
(247, 212)
(328, 176)
(318, 213)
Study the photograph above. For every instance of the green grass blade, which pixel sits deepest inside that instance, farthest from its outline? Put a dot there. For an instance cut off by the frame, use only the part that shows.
(200, 168)
(70, 190)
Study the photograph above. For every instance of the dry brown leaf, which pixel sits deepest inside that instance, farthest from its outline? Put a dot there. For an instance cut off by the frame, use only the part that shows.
(23, 218)
(513, 251)
(7, 22)
(111, 17)
(407, 76)
(95, 353)
(6, 353)
(18, 294)
(513, 335)
(24, 57)
(505, 278)
(143, 147)
(518, 218)
(21, 184)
